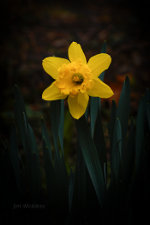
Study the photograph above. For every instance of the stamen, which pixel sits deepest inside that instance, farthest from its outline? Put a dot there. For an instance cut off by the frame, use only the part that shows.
(77, 78)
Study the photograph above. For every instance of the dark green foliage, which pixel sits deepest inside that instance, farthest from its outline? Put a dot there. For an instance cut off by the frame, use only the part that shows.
(128, 154)
(15, 158)
(84, 201)
(124, 106)
(32, 168)
(46, 141)
(56, 174)
(99, 141)
(107, 186)
(61, 125)
(94, 108)
(142, 124)
(57, 115)
(112, 120)
(91, 158)
(116, 151)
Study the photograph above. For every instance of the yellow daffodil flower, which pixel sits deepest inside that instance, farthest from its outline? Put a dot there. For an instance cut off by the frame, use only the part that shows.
(76, 79)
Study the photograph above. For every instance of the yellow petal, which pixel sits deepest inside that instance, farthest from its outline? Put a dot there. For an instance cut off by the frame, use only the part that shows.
(52, 93)
(78, 105)
(75, 53)
(52, 64)
(99, 63)
(100, 89)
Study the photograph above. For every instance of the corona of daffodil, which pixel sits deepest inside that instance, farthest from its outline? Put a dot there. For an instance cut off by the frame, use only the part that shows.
(76, 79)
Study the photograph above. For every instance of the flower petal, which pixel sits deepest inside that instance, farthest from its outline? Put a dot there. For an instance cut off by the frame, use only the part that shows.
(52, 64)
(78, 105)
(99, 63)
(100, 89)
(75, 53)
(52, 93)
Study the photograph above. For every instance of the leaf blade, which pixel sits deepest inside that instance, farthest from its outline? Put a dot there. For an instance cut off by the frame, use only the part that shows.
(116, 151)
(91, 158)
(124, 106)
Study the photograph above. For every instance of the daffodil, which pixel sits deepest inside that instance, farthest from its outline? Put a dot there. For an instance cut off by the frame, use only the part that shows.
(76, 79)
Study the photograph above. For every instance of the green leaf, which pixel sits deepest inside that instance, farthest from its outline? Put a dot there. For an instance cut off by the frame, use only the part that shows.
(94, 108)
(61, 125)
(79, 199)
(57, 184)
(87, 112)
(124, 107)
(50, 174)
(33, 162)
(100, 141)
(91, 158)
(57, 124)
(19, 116)
(116, 149)
(55, 119)
(84, 196)
(139, 139)
(57, 129)
(15, 158)
(112, 121)
(32, 140)
(46, 139)
(19, 99)
(32, 168)
(61, 179)
(35, 177)
(128, 155)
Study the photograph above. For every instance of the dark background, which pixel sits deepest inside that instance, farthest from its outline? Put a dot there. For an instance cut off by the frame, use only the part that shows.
(32, 30)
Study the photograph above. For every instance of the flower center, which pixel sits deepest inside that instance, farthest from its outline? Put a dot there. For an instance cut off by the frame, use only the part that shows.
(74, 78)
(77, 78)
